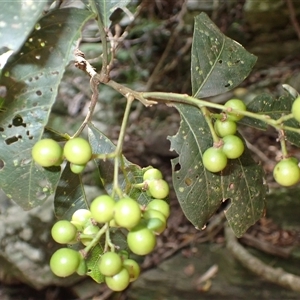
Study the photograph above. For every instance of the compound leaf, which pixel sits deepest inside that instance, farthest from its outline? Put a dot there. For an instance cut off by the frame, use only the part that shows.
(201, 192)
(218, 63)
(31, 79)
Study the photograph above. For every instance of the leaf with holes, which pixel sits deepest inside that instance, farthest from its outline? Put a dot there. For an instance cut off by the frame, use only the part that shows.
(218, 63)
(266, 104)
(201, 192)
(101, 144)
(31, 79)
(105, 8)
(18, 18)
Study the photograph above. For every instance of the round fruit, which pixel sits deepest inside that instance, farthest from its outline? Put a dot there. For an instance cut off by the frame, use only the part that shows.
(90, 230)
(118, 282)
(77, 169)
(102, 208)
(127, 213)
(158, 189)
(235, 104)
(64, 232)
(296, 109)
(160, 205)
(78, 151)
(141, 240)
(156, 225)
(224, 128)
(287, 172)
(233, 146)
(214, 159)
(154, 214)
(80, 217)
(133, 269)
(47, 153)
(64, 262)
(152, 174)
(110, 264)
(82, 268)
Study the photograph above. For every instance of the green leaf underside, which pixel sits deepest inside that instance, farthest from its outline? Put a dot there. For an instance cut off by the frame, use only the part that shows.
(218, 63)
(105, 8)
(32, 78)
(17, 20)
(201, 192)
(266, 104)
(101, 144)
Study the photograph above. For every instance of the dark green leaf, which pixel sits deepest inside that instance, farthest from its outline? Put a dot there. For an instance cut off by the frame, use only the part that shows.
(18, 18)
(266, 104)
(32, 78)
(218, 63)
(105, 8)
(92, 263)
(201, 192)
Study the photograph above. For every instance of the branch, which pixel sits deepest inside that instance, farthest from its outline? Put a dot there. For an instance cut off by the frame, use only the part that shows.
(293, 18)
(274, 275)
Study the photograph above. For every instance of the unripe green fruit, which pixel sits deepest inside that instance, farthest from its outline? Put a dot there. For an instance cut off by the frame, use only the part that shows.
(235, 104)
(82, 268)
(141, 240)
(64, 262)
(287, 172)
(296, 109)
(133, 268)
(118, 282)
(90, 230)
(152, 174)
(214, 159)
(64, 232)
(102, 208)
(77, 169)
(78, 151)
(156, 225)
(127, 213)
(158, 188)
(110, 264)
(80, 217)
(233, 146)
(47, 153)
(151, 214)
(160, 205)
(224, 128)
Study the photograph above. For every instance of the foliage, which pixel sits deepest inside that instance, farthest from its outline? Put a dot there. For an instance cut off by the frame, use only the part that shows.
(38, 57)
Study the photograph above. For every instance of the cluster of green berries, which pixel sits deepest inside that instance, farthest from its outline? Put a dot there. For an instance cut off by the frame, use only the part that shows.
(48, 153)
(215, 158)
(142, 223)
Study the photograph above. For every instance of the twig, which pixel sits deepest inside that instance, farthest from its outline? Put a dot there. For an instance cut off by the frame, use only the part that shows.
(275, 275)
(293, 18)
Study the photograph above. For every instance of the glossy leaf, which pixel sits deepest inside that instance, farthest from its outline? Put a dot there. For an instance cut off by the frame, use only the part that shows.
(201, 192)
(18, 18)
(31, 79)
(218, 63)
(105, 8)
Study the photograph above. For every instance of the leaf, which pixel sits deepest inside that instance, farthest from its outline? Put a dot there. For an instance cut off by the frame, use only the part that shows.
(18, 18)
(266, 104)
(218, 63)
(105, 8)
(31, 79)
(101, 144)
(200, 192)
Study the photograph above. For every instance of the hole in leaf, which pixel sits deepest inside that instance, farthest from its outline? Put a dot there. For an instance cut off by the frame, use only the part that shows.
(11, 140)
(1, 164)
(177, 167)
(220, 61)
(39, 93)
(1, 129)
(18, 121)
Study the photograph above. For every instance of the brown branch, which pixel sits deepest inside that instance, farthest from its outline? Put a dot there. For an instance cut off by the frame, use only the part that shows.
(275, 275)
(293, 18)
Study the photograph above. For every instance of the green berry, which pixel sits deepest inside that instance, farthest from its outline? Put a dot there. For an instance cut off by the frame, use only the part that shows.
(156, 225)
(118, 282)
(133, 268)
(141, 240)
(47, 153)
(235, 104)
(64, 232)
(287, 172)
(102, 208)
(296, 109)
(151, 174)
(80, 218)
(78, 151)
(214, 159)
(77, 169)
(64, 262)
(224, 128)
(233, 146)
(127, 213)
(110, 264)
(160, 205)
(158, 188)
